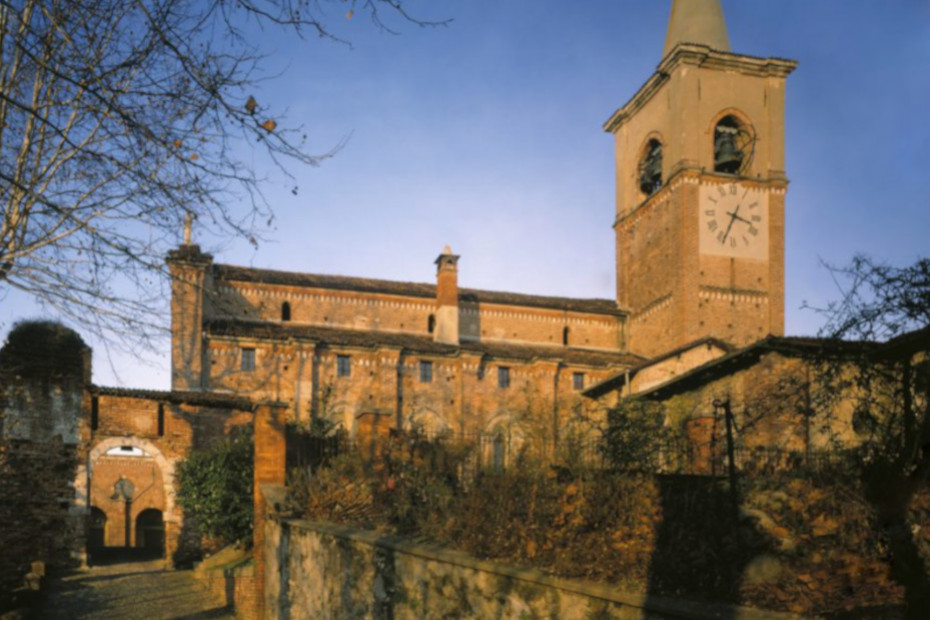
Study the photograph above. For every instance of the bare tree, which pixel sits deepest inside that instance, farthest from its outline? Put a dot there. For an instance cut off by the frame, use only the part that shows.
(121, 118)
(886, 310)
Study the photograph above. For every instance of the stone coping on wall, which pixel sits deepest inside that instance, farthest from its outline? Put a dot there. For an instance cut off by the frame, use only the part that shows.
(666, 607)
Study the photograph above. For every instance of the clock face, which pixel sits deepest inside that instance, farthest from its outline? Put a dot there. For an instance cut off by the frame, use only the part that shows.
(734, 221)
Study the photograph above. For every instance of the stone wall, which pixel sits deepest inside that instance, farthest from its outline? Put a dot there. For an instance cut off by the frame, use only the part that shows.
(315, 570)
(37, 523)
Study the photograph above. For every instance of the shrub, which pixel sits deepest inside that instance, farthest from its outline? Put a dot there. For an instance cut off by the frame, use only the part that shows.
(42, 350)
(668, 535)
(215, 488)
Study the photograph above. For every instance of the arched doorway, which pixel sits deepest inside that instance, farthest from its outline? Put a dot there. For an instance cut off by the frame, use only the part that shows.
(152, 476)
(97, 533)
(150, 532)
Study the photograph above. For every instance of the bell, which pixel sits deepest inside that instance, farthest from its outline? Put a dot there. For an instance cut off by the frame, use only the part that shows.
(650, 179)
(654, 168)
(727, 156)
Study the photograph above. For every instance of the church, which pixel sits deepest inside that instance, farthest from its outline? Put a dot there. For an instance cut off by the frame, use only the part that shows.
(699, 307)
(700, 211)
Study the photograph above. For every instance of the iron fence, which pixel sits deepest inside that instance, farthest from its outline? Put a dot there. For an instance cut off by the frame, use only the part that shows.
(471, 453)
(307, 450)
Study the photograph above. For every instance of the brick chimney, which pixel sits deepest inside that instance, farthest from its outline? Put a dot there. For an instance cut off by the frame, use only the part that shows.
(447, 298)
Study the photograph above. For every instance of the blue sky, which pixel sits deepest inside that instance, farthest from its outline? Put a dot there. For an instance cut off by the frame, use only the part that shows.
(486, 135)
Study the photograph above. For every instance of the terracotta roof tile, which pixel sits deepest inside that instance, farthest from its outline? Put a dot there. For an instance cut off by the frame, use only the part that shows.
(203, 399)
(809, 347)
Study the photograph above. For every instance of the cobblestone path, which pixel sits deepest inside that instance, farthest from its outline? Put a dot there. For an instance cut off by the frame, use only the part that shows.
(136, 590)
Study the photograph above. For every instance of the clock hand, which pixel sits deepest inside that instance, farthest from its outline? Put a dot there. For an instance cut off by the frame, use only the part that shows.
(742, 219)
(730, 227)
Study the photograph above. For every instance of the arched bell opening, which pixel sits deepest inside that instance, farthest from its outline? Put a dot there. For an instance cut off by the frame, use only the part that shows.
(649, 170)
(734, 145)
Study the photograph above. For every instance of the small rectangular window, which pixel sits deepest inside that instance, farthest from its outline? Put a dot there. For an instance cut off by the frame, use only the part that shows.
(503, 376)
(426, 372)
(248, 359)
(578, 381)
(343, 365)
(94, 413)
(161, 419)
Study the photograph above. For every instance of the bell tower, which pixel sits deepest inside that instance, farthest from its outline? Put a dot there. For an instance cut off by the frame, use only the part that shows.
(700, 194)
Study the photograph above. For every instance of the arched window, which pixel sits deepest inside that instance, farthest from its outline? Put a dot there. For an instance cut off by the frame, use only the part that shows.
(498, 452)
(650, 168)
(431, 324)
(286, 311)
(565, 332)
(733, 146)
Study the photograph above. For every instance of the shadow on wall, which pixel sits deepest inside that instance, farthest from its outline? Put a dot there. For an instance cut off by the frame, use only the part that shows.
(702, 551)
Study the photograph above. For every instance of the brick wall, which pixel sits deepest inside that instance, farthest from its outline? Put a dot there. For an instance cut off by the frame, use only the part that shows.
(395, 313)
(159, 429)
(270, 462)
(236, 587)
(189, 278)
(148, 480)
(463, 393)
(769, 400)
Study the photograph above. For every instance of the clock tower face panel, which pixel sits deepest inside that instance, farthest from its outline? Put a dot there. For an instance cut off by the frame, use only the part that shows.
(733, 221)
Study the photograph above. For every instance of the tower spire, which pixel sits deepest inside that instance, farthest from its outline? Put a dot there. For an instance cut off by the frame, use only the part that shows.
(697, 21)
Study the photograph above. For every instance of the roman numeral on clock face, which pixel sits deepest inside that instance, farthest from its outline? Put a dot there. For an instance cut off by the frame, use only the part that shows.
(732, 220)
